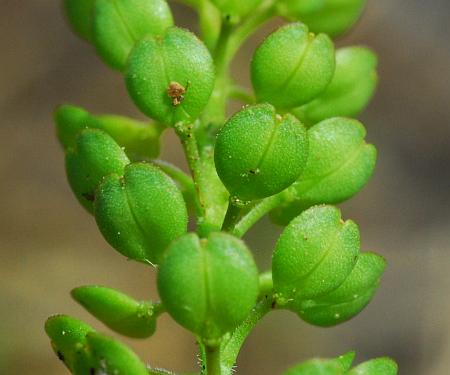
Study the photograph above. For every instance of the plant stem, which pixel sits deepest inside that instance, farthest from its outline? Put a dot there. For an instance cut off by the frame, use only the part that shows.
(233, 214)
(213, 360)
(256, 213)
(230, 349)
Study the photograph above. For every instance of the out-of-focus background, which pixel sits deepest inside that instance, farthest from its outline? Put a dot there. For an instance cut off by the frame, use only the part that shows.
(48, 244)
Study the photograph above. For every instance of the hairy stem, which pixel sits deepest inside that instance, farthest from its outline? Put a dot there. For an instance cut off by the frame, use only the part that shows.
(213, 360)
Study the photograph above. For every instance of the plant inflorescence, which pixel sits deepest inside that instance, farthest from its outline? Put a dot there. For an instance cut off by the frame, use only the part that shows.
(291, 152)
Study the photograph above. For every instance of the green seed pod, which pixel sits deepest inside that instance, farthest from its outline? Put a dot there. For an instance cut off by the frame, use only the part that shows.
(140, 213)
(68, 336)
(349, 298)
(118, 311)
(314, 255)
(259, 153)
(236, 8)
(378, 366)
(208, 285)
(139, 139)
(119, 24)
(170, 78)
(339, 164)
(351, 89)
(319, 366)
(109, 356)
(95, 156)
(333, 17)
(292, 66)
(80, 15)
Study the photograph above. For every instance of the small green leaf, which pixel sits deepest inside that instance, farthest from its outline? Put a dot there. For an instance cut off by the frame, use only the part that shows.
(80, 15)
(350, 298)
(260, 153)
(109, 356)
(170, 78)
(208, 285)
(339, 164)
(118, 311)
(316, 367)
(139, 139)
(351, 89)
(140, 213)
(378, 366)
(333, 17)
(292, 66)
(314, 255)
(236, 8)
(68, 336)
(95, 156)
(119, 24)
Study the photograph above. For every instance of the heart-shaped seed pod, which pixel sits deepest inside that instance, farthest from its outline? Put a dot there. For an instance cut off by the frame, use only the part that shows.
(236, 8)
(350, 298)
(208, 285)
(292, 66)
(95, 156)
(170, 78)
(260, 153)
(314, 255)
(119, 24)
(118, 311)
(68, 337)
(333, 17)
(339, 164)
(350, 90)
(138, 139)
(140, 213)
(80, 14)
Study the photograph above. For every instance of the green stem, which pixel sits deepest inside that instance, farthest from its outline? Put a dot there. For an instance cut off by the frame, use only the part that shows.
(230, 349)
(265, 284)
(213, 360)
(256, 213)
(232, 216)
(189, 142)
(242, 94)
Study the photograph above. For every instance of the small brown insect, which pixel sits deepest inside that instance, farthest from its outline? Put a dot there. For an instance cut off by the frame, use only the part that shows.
(176, 92)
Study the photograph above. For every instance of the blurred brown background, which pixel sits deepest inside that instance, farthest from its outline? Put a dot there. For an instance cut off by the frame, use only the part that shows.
(48, 244)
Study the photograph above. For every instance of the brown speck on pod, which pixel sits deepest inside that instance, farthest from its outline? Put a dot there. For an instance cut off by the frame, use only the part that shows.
(176, 92)
(60, 356)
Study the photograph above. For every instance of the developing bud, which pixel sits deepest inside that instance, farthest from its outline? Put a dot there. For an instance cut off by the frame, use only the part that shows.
(260, 153)
(208, 285)
(171, 77)
(292, 66)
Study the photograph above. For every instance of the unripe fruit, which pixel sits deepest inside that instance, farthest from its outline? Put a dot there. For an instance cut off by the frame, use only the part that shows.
(140, 213)
(170, 78)
(339, 164)
(80, 14)
(236, 8)
(292, 66)
(118, 311)
(138, 139)
(119, 24)
(95, 156)
(109, 356)
(208, 285)
(377, 366)
(260, 153)
(313, 256)
(68, 337)
(350, 298)
(350, 90)
(333, 17)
